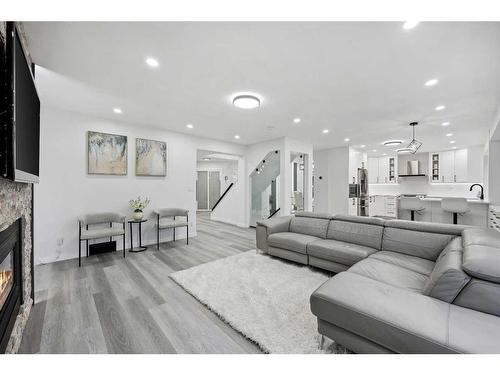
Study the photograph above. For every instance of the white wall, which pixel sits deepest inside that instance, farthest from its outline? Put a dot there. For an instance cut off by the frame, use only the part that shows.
(67, 191)
(494, 173)
(331, 193)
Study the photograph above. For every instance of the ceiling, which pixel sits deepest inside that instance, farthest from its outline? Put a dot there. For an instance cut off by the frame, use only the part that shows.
(360, 80)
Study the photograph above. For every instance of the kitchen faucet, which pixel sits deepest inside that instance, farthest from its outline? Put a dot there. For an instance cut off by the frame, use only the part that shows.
(482, 191)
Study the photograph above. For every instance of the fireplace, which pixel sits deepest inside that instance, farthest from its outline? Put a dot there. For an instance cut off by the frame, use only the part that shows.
(10, 280)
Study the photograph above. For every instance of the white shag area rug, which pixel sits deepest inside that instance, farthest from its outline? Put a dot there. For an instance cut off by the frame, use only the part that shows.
(264, 298)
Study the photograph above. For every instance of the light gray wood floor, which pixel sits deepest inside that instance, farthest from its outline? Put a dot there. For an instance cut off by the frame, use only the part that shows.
(116, 305)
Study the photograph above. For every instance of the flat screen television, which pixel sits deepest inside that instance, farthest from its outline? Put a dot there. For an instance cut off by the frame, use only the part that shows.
(20, 124)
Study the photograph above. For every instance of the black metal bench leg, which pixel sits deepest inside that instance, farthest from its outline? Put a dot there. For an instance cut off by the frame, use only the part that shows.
(79, 252)
(87, 248)
(174, 234)
(158, 233)
(412, 215)
(455, 218)
(187, 234)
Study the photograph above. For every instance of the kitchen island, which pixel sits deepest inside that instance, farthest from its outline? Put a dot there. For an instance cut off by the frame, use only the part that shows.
(477, 215)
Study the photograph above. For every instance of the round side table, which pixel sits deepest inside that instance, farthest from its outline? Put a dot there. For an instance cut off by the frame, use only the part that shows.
(140, 248)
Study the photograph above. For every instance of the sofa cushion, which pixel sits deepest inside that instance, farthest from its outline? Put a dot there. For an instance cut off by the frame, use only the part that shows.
(310, 226)
(390, 274)
(409, 262)
(291, 241)
(340, 252)
(360, 232)
(447, 279)
(482, 253)
(426, 245)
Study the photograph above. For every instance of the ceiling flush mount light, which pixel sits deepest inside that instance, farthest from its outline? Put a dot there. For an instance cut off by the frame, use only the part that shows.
(393, 142)
(414, 145)
(440, 108)
(296, 120)
(325, 131)
(246, 101)
(446, 123)
(189, 126)
(408, 25)
(374, 150)
(362, 146)
(152, 62)
(117, 110)
(405, 150)
(206, 159)
(452, 142)
(236, 136)
(449, 134)
(431, 82)
(346, 139)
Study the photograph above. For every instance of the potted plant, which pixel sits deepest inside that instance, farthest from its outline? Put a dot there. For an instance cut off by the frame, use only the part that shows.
(139, 205)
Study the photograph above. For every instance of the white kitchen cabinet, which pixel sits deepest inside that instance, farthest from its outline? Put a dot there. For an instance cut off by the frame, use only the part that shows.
(373, 170)
(383, 205)
(382, 170)
(461, 165)
(447, 166)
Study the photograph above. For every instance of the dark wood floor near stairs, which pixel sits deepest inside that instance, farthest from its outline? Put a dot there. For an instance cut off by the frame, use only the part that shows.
(116, 305)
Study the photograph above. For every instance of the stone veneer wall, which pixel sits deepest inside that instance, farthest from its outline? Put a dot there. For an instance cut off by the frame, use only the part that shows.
(15, 203)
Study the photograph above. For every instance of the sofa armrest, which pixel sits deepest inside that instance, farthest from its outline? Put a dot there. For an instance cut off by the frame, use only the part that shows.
(401, 320)
(276, 224)
(268, 227)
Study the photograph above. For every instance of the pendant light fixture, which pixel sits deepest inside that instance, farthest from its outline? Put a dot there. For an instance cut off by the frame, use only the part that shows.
(414, 145)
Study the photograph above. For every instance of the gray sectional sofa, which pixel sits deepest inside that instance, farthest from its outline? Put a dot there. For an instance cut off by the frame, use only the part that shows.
(399, 286)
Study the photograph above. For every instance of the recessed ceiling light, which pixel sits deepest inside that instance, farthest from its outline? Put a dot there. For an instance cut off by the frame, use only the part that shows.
(346, 139)
(446, 123)
(236, 136)
(452, 142)
(206, 159)
(325, 131)
(454, 147)
(405, 150)
(296, 120)
(374, 150)
(362, 146)
(431, 82)
(152, 62)
(408, 25)
(384, 154)
(246, 100)
(449, 134)
(189, 126)
(393, 142)
(440, 107)
(117, 110)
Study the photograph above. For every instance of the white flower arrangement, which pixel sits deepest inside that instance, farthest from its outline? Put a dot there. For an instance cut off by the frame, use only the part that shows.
(139, 204)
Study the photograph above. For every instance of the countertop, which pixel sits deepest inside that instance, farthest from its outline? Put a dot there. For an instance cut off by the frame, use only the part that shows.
(438, 199)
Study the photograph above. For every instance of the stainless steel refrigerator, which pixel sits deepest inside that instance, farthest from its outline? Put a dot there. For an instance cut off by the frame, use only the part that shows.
(358, 192)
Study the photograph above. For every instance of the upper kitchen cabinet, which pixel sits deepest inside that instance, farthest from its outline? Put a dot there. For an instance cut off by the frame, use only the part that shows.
(382, 170)
(463, 165)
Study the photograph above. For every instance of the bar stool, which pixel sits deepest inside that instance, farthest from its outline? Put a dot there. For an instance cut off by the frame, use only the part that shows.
(456, 206)
(412, 204)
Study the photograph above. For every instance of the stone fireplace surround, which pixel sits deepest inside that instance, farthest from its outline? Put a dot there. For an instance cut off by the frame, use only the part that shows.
(15, 203)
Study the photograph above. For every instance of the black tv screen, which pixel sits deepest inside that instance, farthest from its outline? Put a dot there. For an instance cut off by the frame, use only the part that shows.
(21, 134)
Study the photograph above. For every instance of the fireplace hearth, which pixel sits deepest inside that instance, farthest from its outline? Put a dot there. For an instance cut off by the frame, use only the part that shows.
(10, 280)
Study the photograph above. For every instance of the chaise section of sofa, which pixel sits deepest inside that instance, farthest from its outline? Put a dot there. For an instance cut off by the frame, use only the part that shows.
(429, 290)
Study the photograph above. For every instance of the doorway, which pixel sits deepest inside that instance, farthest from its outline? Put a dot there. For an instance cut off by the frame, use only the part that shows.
(207, 189)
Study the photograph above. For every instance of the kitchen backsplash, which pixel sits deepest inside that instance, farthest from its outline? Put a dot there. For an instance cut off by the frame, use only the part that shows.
(414, 186)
